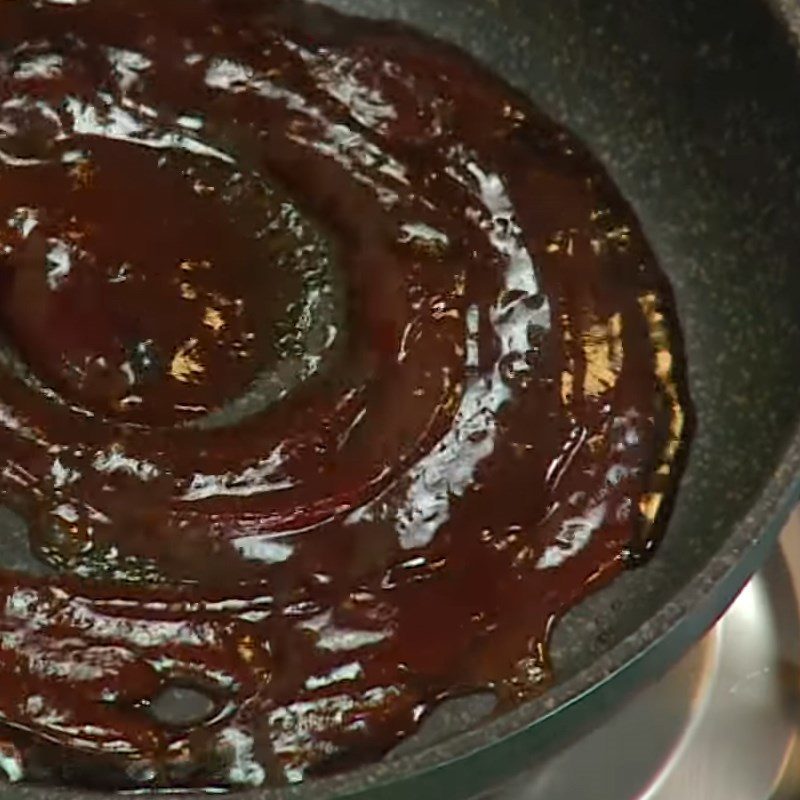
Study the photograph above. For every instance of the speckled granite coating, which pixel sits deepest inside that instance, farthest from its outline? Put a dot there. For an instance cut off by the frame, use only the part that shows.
(694, 106)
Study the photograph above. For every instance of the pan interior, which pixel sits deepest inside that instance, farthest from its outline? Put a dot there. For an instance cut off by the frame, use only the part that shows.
(693, 108)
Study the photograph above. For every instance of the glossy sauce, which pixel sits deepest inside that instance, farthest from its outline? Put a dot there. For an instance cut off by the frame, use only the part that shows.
(333, 375)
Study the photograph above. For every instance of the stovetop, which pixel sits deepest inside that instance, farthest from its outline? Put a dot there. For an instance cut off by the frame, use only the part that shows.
(722, 725)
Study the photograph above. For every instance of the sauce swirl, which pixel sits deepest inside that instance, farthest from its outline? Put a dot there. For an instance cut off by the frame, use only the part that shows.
(333, 373)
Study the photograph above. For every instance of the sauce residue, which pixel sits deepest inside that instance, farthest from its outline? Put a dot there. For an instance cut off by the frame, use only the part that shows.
(333, 374)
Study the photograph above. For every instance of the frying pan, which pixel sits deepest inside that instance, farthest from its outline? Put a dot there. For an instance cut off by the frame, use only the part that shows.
(694, 108)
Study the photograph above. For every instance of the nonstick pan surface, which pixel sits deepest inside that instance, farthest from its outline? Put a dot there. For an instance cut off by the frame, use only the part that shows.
(694, 108)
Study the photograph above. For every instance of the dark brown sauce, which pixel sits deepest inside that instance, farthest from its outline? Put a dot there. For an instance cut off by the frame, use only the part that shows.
(334, 374)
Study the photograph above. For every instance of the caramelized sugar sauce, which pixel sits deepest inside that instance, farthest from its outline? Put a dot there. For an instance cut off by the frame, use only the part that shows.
(333, 375)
